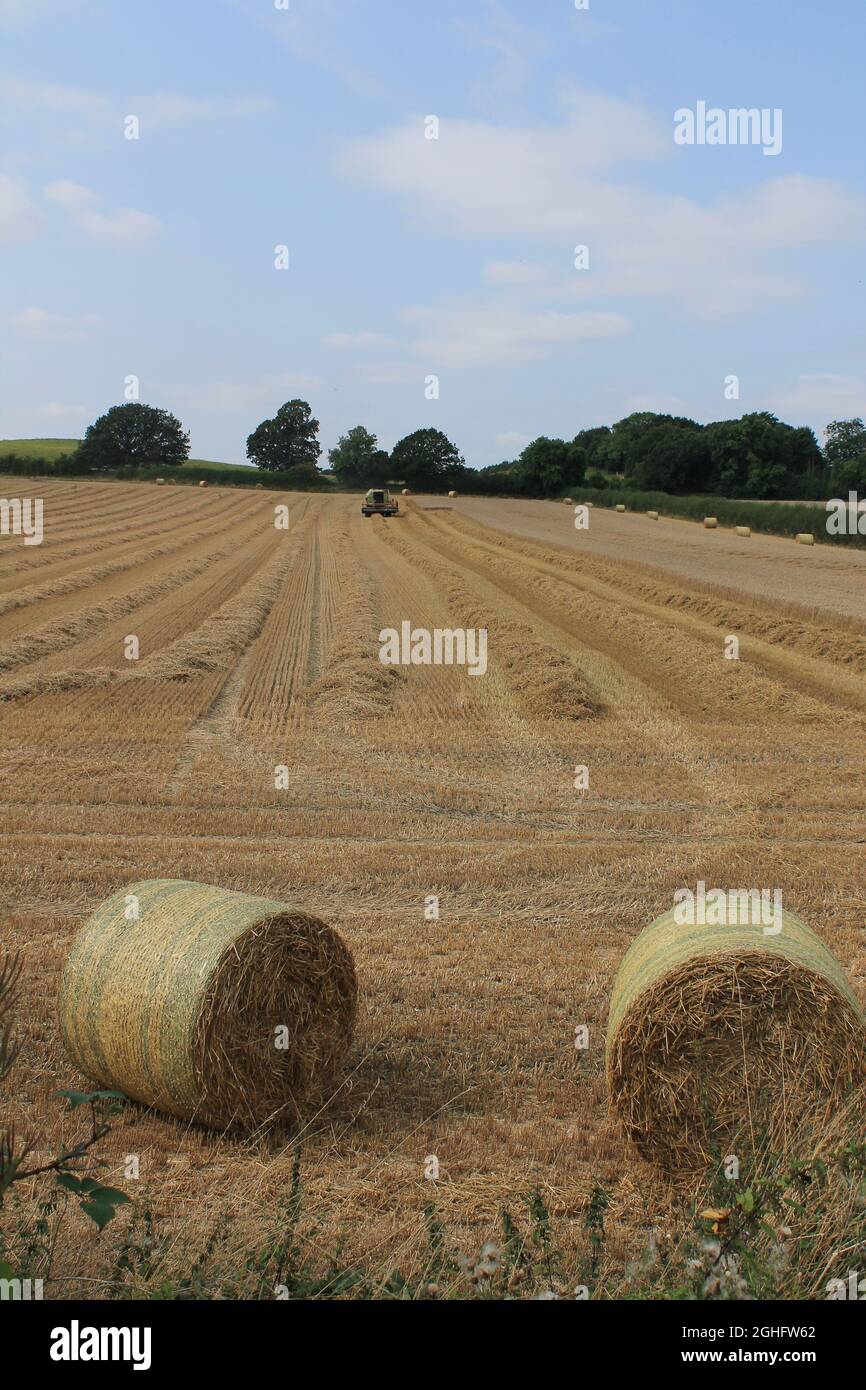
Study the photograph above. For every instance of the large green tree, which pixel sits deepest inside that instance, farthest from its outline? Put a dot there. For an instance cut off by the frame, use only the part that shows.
(593, 445)
(547, 464)
(357, 460)
(673, 459)
(844, 441)
(426, 458)
(289, 439)
(133, 435)
(759, 456)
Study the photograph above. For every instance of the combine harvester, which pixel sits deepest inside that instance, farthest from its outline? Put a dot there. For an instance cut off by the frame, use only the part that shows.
(379, 502)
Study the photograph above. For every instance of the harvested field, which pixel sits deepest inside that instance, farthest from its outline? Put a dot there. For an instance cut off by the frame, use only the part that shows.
(258, 656)
(765, 567)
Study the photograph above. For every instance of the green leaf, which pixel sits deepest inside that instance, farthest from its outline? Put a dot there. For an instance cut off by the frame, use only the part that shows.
(102, 1204)
(77, 1098)
(69, 1181)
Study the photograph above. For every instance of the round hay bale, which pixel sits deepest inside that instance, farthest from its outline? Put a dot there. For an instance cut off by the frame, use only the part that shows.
(160, 482)
(568, 502)
(805, 538)
(258, 485)
(720, 1034)
(202, 483)
(620, 506)
(182, 1008)
(452, 494)
(743, 530)
(172, 482)
(711, 522)
(653, 516)
(407, 492)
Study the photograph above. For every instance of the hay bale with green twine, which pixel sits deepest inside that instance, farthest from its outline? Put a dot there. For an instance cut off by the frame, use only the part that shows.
(723, 1034)
(214, 1006)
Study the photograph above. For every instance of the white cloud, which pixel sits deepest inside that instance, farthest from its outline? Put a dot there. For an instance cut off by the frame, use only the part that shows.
(513, 441)
(555, 184)
(317, 34)
(823, 394)
(30, 11)
(483, 337)
(487, 178)
(20, 219)
(17, 95)
(660, 402)
(392, 374)
(163, 109)
(54, 410)
(43, 326)
(514, 273)
(92, 117)
(268, 393)
(361, 341)
(124, 225)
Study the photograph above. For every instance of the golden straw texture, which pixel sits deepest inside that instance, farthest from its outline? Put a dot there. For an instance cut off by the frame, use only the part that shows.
(725, 1034)
(184, 1008)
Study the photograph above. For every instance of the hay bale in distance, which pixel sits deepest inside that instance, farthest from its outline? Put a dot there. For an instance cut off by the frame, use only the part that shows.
(452, 494)
(743, 530)
(259, 485)
(805, 538)
(407, 492)
(180, 1008)
(202, 483)
(160, 482)
(620, 506)
(716, 1032)
(568, 502)
(711, 522)
(653, 516)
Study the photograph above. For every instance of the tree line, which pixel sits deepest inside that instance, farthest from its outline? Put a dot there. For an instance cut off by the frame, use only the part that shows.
(755, 456)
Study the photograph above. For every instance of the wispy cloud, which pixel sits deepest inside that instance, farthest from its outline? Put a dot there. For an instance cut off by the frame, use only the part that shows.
(514, 273)
(484, 337)
(44, 326)
(317, 34)
(513, 441)
(55, 410)
(359, 341)
(91, 115)
(20, 219)
(163, 109)
(34, 11)
(226, 397)
(552, 184)
(82, 204)
(826, 394)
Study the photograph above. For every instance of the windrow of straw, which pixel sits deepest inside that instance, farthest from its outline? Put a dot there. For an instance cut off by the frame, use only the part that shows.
(214, 1006)
(721, 1036)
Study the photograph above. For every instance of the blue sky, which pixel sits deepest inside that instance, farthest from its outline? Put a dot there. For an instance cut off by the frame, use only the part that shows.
(411, 257)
